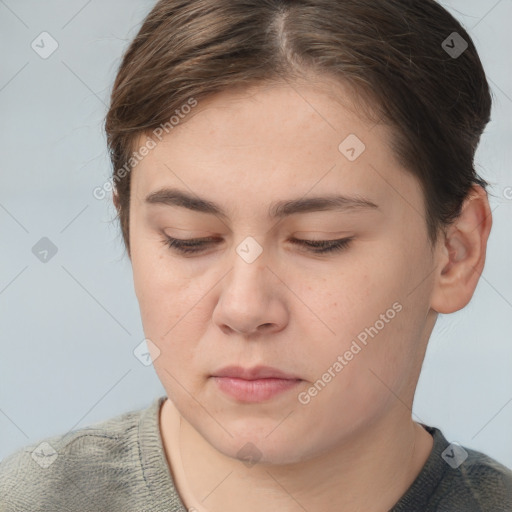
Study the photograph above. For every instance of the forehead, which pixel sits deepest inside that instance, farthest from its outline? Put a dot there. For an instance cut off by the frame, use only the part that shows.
(274, 141)
(274, 115)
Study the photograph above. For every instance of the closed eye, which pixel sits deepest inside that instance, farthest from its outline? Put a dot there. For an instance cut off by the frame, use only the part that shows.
(198, 245)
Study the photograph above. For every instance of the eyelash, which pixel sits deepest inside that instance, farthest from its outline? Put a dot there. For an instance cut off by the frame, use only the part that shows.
(314, 246)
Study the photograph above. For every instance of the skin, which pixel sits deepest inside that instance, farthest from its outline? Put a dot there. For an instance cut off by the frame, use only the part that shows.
(354, 446)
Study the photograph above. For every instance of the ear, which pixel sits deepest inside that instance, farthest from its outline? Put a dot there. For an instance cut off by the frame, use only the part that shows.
(461, 254)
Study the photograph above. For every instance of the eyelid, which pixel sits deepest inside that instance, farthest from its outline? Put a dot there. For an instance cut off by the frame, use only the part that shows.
(194, 246)
(291, 238)
(190, 234)
(323, 235)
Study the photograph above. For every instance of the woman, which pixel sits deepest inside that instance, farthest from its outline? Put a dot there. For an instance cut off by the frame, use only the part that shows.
(296, 192)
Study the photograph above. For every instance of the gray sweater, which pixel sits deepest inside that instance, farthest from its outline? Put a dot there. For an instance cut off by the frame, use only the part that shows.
(119, 465)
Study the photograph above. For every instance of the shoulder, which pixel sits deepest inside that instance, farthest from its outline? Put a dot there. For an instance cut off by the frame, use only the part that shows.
(456, 478)
(479, 483)
(486, 478)
(56, 471)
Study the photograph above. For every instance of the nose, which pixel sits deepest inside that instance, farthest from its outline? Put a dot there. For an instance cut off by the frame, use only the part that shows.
(251, 299)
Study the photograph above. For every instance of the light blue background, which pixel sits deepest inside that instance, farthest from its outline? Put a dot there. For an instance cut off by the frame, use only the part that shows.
(69, 326)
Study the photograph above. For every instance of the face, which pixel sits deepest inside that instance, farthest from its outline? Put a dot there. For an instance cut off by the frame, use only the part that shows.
(350, 323)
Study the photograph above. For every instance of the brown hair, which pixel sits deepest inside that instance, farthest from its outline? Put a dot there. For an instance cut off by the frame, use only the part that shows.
(392, 53)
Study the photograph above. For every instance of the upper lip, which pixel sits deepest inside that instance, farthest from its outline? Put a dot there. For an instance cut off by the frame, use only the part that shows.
(256, 372)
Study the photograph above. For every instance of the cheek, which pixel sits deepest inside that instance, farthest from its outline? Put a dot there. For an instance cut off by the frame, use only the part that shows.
(175, 311)
(159, 283)
(369, 319)
(161, 296)
(392, 339)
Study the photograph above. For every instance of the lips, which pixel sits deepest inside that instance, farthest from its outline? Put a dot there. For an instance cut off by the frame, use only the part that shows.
(254, 373)
(257, 384)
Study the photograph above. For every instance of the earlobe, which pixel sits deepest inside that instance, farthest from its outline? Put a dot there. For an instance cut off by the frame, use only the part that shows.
(461, 256)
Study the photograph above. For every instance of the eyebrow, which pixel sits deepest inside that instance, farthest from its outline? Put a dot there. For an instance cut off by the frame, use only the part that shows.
(277, 210)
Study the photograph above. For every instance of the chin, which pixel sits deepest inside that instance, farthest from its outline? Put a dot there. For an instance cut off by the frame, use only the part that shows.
(259, 447)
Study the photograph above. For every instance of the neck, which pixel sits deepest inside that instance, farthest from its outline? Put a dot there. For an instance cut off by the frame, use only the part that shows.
(369, 472)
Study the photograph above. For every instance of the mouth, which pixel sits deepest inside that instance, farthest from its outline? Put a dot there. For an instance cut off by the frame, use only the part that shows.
(256, 384)
(256, 372)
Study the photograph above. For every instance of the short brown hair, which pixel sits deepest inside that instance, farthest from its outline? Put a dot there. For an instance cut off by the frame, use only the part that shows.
(390, 52)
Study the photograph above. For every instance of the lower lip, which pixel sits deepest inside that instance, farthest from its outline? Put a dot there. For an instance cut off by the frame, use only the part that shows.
(256, 390)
